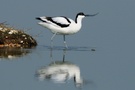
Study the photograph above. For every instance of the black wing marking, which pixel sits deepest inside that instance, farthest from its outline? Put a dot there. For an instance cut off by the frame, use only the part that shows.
(57, 23)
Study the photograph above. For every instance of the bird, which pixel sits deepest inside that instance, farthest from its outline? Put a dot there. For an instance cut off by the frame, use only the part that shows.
(60, 72)
(62, 25)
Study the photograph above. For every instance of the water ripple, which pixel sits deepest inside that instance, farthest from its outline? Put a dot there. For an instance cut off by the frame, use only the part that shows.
(71, 48)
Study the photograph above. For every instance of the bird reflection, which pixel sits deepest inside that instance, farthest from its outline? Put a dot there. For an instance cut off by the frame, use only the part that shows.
(61, 72)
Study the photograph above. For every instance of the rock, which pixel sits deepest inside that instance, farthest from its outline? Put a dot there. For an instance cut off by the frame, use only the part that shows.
(11, 37)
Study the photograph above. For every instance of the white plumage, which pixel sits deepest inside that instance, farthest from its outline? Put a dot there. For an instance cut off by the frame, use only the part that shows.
(63, 25)
(61, 72)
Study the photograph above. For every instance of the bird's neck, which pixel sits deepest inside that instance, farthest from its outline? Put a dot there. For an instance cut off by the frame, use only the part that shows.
(78, 20)
(78, 78)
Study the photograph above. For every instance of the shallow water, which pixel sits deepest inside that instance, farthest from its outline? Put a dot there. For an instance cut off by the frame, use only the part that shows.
(99, 68)
(103, 49)
(19, 69)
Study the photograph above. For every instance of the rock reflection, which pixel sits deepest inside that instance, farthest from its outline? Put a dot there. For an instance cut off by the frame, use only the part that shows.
(11, 53)
(61, 72)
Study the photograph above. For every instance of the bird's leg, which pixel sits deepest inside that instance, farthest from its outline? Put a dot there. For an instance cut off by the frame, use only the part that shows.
(65, 42)
(64, 54)
(52, 39)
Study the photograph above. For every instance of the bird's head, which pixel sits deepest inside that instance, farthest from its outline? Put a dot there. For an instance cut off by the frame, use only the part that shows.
(81, 15)
(78, 81)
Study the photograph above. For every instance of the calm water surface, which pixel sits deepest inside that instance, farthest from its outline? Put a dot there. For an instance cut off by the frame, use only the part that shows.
(103, 51)
(100, 69)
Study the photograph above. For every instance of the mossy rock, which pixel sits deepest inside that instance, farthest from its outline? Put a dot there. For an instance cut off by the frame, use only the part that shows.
(11, 37)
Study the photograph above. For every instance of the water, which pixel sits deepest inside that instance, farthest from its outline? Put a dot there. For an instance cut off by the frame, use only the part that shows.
(101, 68)
(103, 50)
(19, 70)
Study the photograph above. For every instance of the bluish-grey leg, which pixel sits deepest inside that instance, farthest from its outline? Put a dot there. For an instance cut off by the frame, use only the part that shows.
(65, 42)
(52, 39)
